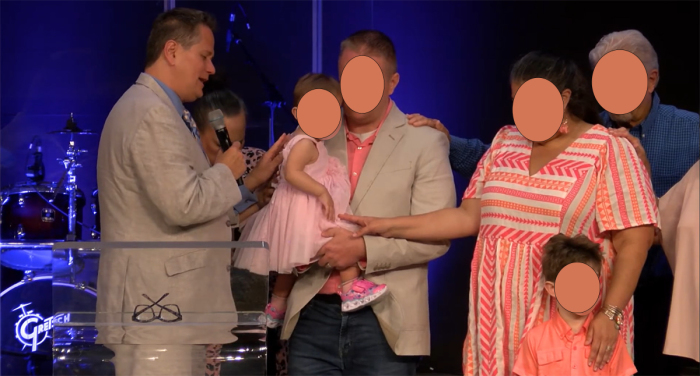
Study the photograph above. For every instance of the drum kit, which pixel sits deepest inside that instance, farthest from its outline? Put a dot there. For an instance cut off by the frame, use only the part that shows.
(35, 216)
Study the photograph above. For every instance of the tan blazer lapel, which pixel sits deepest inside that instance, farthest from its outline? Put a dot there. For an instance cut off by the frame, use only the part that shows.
(388, 137)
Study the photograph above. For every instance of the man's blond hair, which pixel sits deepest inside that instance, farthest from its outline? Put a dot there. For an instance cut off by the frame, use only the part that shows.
(372, 42)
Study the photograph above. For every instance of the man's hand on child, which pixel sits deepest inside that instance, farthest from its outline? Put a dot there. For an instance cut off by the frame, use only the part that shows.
(342, 251)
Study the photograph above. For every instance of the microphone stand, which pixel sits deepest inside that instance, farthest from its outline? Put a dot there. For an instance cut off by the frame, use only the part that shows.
(275, 98)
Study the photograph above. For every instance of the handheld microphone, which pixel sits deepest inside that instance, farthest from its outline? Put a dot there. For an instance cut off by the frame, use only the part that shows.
(216, 119)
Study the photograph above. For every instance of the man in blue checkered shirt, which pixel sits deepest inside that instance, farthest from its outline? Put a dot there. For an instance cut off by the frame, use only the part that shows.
(668, 139)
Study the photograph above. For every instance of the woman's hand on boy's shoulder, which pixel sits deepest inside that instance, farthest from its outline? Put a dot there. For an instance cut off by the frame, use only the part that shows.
(602, 337)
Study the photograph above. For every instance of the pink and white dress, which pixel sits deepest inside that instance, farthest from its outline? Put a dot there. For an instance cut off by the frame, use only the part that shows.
(293, 221)
(595, 186)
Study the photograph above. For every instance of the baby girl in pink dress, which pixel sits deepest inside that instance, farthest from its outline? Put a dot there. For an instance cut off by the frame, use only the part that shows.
(313, 189)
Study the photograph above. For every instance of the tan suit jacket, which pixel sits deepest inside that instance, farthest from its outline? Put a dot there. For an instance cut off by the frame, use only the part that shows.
(407, 172)
(678, 209)
(156, 184)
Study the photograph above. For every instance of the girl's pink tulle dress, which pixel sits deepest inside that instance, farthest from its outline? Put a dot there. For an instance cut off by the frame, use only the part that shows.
(293, 221)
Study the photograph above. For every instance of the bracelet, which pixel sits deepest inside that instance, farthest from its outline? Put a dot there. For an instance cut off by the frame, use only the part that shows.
(614, 314)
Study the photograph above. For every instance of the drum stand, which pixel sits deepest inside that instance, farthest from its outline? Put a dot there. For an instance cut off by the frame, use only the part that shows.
(70, 164)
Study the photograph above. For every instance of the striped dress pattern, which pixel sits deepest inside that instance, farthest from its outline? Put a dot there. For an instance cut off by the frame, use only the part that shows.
(596, 185)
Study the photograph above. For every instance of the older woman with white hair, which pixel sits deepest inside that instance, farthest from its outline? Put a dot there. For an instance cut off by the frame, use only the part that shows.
(668, 138)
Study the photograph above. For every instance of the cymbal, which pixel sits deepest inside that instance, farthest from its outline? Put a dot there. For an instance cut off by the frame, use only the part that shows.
(72, 128)
(74, 131)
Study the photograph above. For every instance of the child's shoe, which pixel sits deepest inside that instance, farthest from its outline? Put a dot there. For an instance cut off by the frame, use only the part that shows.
(361, 293)
(274, 317)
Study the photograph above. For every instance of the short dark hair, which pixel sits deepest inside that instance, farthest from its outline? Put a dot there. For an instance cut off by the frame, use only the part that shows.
(178, 24)
(313, 81)
(372, 41)
(562, 250)
(223, 99)
(564, 74)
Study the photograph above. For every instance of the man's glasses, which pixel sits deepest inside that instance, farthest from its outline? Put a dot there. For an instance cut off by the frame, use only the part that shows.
(146, 313)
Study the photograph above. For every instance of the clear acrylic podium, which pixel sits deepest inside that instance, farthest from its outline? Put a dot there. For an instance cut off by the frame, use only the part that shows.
(164, 324)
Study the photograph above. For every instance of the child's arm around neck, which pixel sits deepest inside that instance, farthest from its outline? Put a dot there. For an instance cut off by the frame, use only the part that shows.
(302, 154)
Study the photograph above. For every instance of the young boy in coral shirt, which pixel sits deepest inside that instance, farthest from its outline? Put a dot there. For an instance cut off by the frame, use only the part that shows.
(557, 346)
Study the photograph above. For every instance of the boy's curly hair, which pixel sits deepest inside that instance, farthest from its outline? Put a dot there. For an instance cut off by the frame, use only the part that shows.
(562, 250)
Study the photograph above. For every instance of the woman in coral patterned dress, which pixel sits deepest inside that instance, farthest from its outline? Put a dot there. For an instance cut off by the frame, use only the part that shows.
(581, 181)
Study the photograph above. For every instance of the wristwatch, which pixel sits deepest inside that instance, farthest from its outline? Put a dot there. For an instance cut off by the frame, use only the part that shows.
(614, 314)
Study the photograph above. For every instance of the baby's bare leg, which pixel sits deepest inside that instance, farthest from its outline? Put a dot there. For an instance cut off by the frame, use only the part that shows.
(280, 292)
(347, 276)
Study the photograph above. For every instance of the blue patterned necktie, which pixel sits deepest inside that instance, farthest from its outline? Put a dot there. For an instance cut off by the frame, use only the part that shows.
(187, 117)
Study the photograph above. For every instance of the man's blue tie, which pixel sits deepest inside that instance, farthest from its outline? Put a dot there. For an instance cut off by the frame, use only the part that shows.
(187, 117)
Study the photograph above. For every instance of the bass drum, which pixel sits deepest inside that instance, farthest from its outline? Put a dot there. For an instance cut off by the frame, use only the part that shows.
(28, 310)
(29, 217)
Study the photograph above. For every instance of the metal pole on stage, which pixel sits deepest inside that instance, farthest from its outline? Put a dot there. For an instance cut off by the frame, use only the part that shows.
(316, 36)
(275, 98)
(168, 5)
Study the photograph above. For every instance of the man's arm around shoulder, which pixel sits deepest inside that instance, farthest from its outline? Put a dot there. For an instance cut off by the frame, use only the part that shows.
(433, 189)
(465, 154)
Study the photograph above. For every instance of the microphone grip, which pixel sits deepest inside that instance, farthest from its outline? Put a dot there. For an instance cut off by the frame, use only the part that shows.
(225, 143)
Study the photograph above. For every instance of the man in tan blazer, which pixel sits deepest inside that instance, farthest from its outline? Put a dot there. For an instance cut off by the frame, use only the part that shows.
(407, 171)
(157, 185)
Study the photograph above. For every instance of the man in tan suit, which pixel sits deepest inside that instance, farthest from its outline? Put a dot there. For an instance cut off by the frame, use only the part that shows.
(406, 171)
(157, 185)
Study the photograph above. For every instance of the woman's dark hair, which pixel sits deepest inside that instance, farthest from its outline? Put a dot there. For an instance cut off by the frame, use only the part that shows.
(564, 74)
(223, 99)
